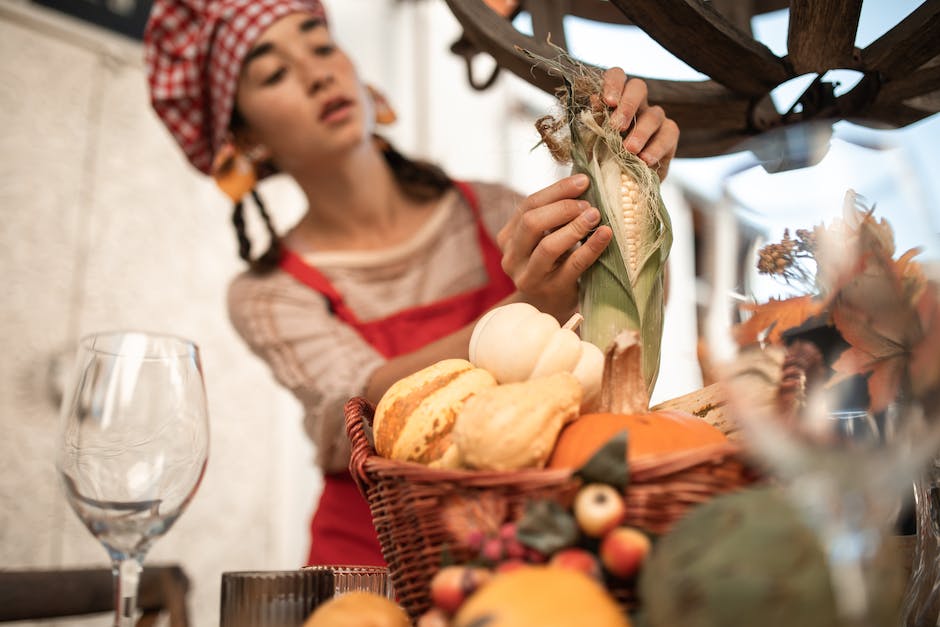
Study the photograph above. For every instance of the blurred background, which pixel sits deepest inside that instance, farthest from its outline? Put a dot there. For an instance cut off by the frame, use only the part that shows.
(105, 225)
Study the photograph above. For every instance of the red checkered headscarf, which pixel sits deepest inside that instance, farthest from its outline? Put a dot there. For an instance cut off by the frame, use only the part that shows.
(194, 51)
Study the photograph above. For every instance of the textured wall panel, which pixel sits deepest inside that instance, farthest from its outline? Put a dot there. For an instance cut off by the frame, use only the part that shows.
(105, 226)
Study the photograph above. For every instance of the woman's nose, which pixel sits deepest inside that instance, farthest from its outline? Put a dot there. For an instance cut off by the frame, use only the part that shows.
(317, 78)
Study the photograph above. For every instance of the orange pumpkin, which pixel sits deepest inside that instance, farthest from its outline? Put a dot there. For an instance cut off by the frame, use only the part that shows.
(647, 434)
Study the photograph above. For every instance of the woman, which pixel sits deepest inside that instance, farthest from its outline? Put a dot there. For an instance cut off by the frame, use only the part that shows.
(393, 261)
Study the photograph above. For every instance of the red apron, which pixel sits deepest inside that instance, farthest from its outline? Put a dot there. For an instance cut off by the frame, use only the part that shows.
(341, 530)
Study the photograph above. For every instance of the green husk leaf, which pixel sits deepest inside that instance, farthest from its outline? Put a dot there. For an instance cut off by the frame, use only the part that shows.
(547, 527)
(609, 464)
(614, 295)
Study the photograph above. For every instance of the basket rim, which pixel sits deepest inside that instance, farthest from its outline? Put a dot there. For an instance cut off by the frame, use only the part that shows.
(367, 466)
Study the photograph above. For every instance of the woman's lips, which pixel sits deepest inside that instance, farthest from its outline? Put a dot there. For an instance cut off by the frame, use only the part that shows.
(336, 110)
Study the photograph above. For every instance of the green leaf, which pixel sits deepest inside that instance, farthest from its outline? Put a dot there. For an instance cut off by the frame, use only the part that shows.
(609, 464)
(447, 556)
(547, 527)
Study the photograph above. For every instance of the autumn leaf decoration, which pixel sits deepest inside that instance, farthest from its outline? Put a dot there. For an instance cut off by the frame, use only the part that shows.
(776, 316)
(884, 308)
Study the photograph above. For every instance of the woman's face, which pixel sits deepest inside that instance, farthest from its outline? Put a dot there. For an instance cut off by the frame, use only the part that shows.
(300, 96)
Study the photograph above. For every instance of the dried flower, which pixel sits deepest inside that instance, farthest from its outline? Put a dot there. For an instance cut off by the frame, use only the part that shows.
(883, 307)
(785, 259)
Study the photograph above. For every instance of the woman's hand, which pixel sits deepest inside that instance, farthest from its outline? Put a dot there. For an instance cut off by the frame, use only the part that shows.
(539, 244)
(648, 133)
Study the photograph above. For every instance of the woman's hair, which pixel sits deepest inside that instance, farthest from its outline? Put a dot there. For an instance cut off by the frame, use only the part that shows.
(419, 180)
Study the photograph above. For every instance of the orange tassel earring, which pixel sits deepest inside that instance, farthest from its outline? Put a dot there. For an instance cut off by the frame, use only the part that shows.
(234, 172)
(384, 113)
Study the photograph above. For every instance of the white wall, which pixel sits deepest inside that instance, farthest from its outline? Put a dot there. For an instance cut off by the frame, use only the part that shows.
(104, 225)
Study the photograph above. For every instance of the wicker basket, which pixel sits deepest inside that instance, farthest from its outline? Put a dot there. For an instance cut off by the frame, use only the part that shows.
(407, 500)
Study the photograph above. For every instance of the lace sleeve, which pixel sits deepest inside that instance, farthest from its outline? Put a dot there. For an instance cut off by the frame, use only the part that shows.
(323, 361)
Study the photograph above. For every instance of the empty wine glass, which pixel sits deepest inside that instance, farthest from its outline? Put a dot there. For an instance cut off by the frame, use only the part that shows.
(133, 445)
(823, 327)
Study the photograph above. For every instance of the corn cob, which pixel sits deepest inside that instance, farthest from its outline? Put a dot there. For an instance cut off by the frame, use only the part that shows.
(623, 290)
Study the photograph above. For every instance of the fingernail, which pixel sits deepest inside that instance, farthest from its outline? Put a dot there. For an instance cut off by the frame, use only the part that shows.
(580, 180)
(592, 215)
(583, 205)
(616, 120)
(633, 145)
(603, 235)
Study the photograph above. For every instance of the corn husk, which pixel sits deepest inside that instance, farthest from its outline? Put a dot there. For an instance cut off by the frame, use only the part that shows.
(624, 289)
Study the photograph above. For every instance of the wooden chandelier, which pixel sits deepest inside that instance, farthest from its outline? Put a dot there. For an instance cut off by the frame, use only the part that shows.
(900, 81)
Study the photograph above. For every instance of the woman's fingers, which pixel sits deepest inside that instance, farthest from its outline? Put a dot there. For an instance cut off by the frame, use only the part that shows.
(584, 255)
(568, 187)
(555, 246)
(647, 124)
(534, 226)
(661, 148)
(613, 82)
(648, 133)
(542, 244)
(630, 104)
(545, 210)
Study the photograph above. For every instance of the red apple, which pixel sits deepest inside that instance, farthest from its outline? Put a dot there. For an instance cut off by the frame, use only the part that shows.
(493, 549)
(507, 531)
(623, 551)
(598, 508)
(474, 539)
(511, 545)
(534, 556)
(577, 559)
(451, 585)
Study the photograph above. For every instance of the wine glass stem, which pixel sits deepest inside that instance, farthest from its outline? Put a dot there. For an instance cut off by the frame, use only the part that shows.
(846, 523)
(126, 579)
(852, 590)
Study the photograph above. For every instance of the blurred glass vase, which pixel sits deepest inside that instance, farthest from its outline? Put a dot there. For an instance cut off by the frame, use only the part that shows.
(922, 600)
(823, 326)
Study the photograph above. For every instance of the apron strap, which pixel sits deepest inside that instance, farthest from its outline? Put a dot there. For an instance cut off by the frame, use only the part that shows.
(293, 264)
(492, 255)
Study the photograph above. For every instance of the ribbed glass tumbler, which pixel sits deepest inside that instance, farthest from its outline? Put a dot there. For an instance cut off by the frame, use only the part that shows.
(364, 578)
(273, 598)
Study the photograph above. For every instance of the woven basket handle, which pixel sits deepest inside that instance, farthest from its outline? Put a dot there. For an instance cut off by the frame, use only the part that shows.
(358, 410)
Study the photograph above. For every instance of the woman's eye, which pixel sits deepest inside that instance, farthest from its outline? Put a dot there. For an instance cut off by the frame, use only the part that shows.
(275, 77)
(324, 50)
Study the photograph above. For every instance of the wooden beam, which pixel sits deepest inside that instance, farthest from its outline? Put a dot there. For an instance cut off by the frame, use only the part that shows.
(907, 46)
(822, 35)
(696, 33)
(895, 114)
(496, 36)
(767, 6)
(598, 11)
(705, 142)
(548, 21)
(737, 12)
(700, 104)
(917, 83)
(692, 104)
(928, 103)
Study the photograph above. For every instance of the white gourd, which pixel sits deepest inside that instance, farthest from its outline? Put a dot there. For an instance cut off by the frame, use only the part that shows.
(517, 342)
